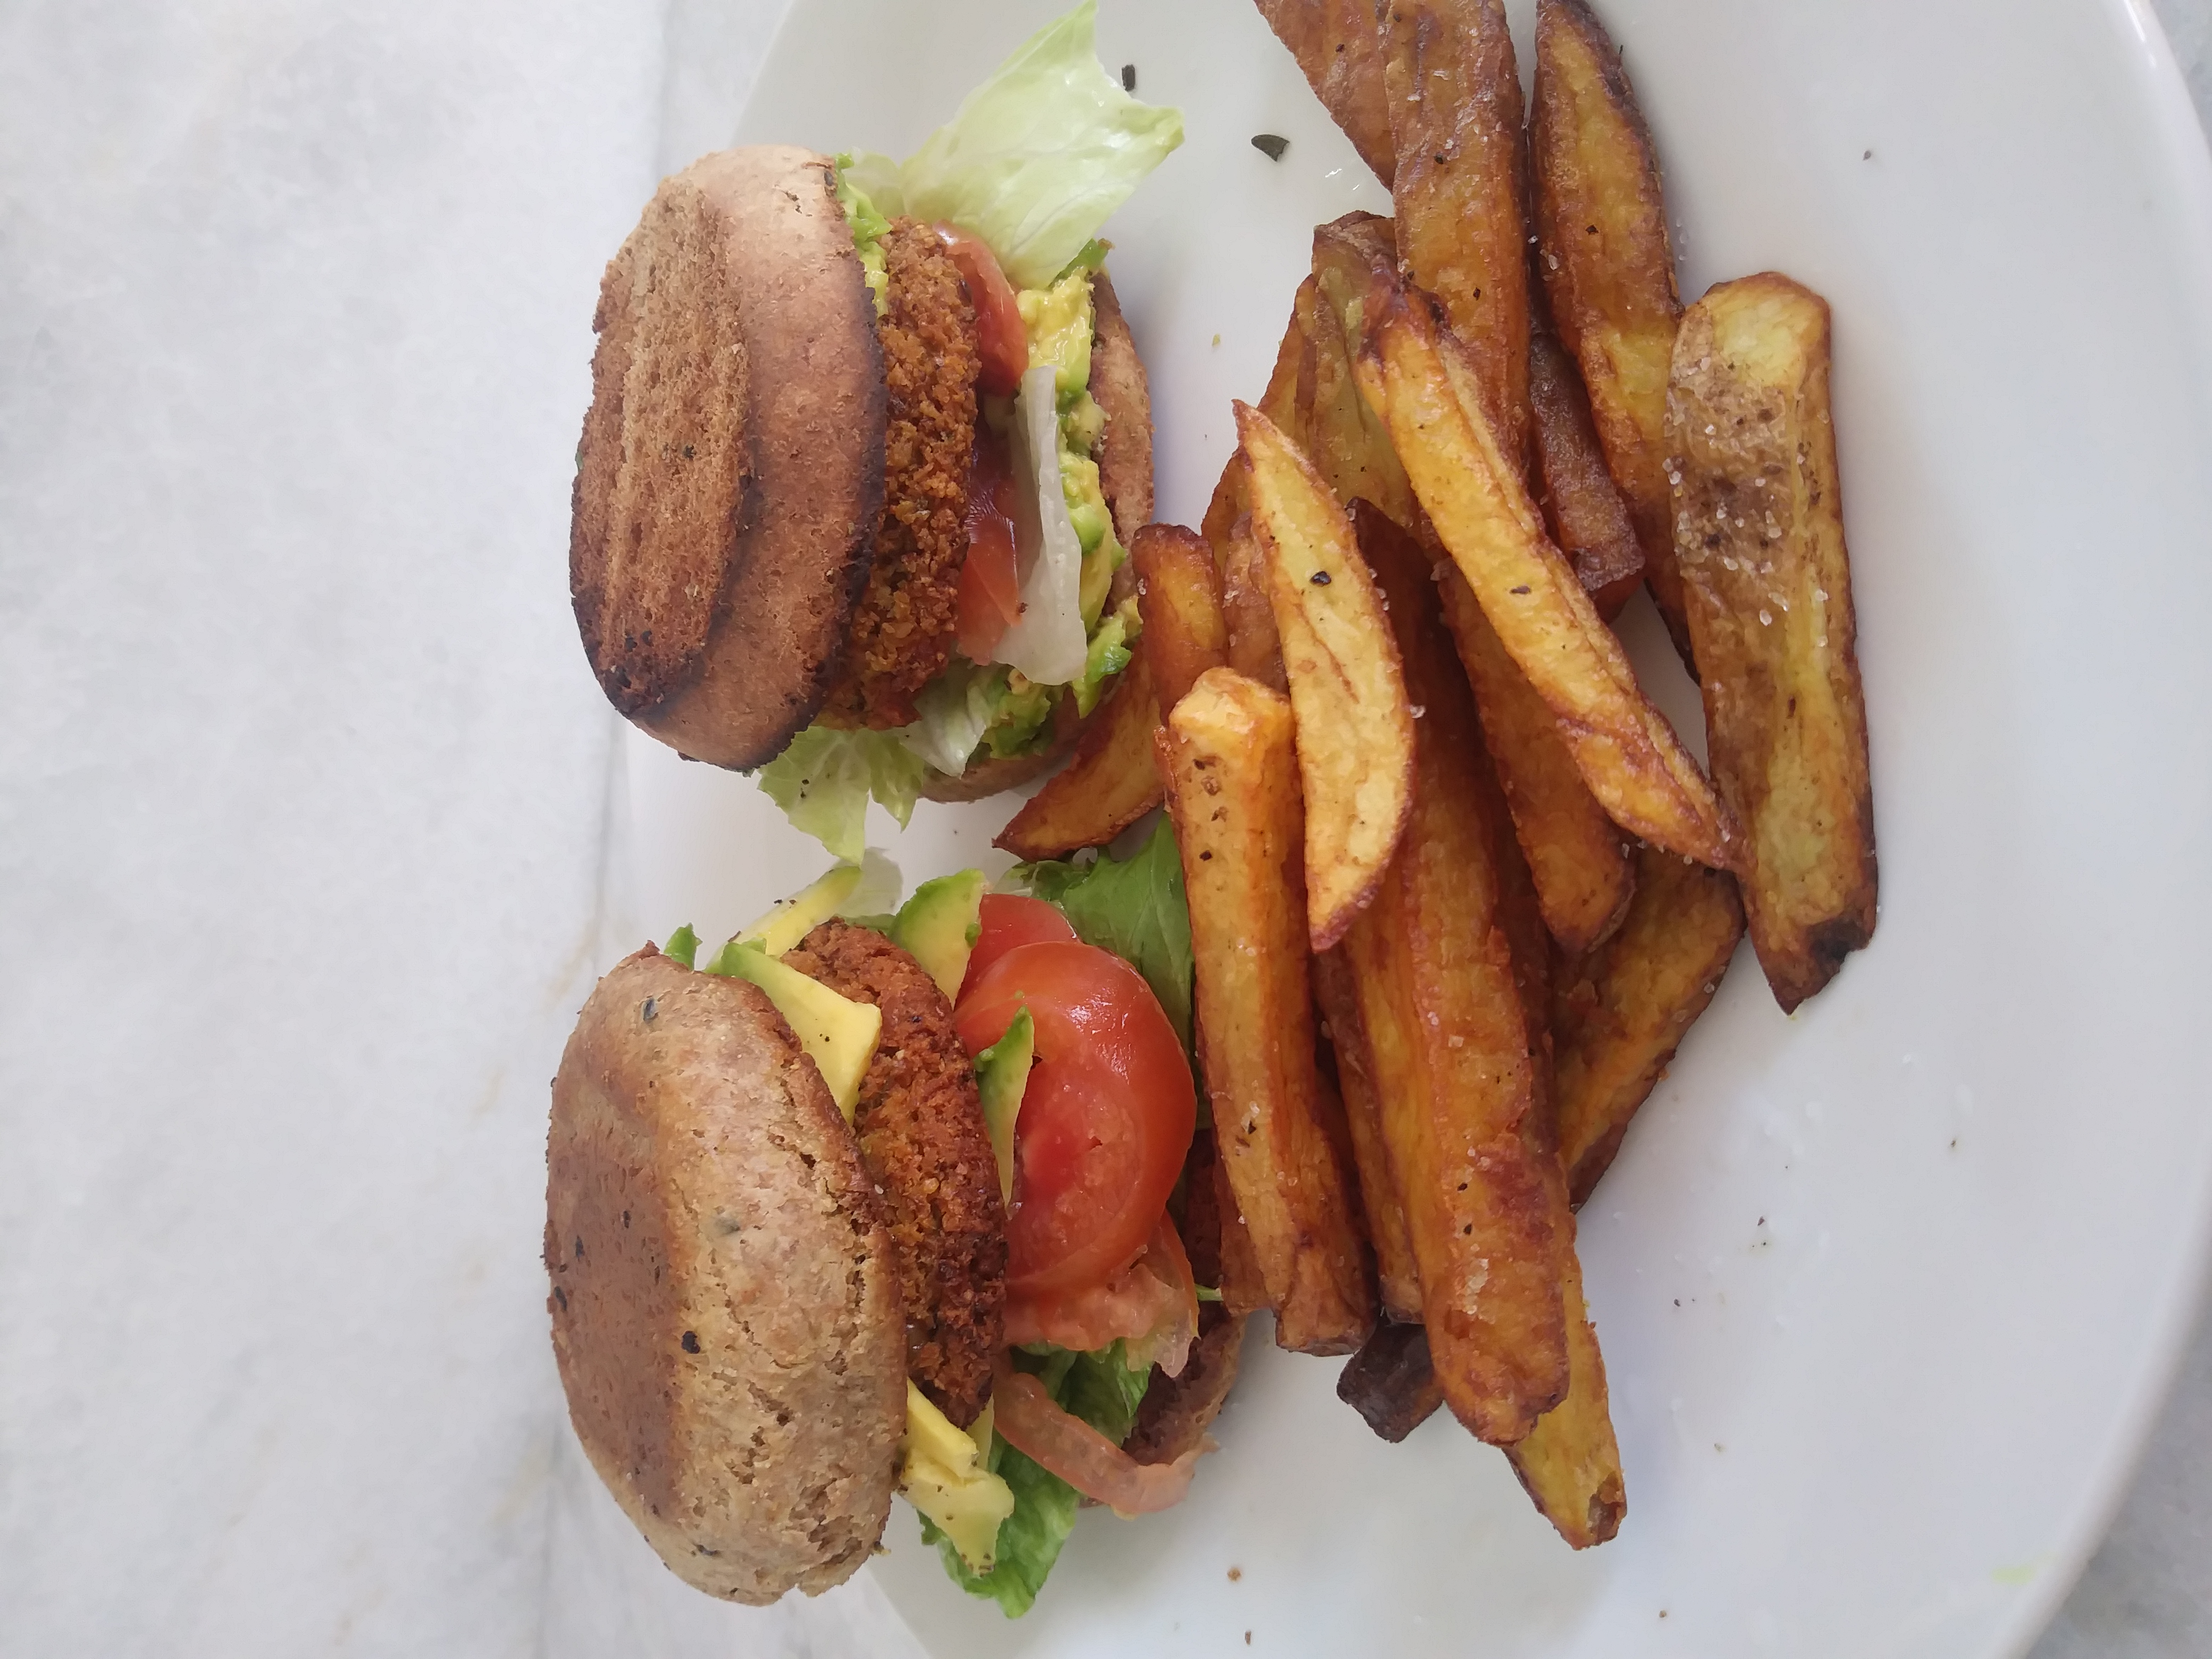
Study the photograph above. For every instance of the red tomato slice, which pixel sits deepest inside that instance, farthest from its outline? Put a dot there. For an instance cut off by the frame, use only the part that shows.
(1153, 1307)
(1003, 343)
(1004, 920)
(990, 592)
(1056, 1440)
(1107, 1118)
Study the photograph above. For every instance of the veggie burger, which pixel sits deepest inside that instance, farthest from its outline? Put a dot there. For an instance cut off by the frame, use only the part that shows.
(884, 1204)
(865, 439)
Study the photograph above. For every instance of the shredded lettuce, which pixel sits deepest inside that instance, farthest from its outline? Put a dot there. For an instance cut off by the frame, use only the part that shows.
(869, 228)
(682, 946)
(1036, 158)
(1046, 642)
(825, 780)
(953, 712)
(1133, 907)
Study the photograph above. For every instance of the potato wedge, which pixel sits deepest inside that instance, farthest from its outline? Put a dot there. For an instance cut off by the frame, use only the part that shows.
(1456, 1072)
(1619, 1014)
(1255, 650)
(1179, 597)
(1288, 390)
(1577, 855)
(1355, 726)
(1338, 998)
(1569, 1462)
(1454, 98)
(1768, 579)
(1109, 783)
(1334, 42)
(1608, 268)
(1349, 444)
(1413, 370)
(1243, 1291)
(1583, 509)
(1391, 1382)
(1228, 752)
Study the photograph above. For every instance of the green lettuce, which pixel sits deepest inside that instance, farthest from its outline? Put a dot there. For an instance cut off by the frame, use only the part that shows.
(1133, 907)
(825, 780)
(682, 946)
(1036, 158)
(869, 228)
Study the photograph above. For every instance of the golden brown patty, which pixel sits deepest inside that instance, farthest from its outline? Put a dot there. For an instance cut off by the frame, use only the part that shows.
(922, 1137)
(903, 629)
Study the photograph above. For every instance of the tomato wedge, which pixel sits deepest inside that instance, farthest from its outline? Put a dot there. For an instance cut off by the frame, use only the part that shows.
(1153, 1307)
(989, 597)
(1004, 921)
(1055, 1440)
(1106, 1120)
(1002, 340)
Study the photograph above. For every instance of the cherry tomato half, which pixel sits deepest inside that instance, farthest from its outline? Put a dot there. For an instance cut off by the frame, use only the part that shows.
(1106, 1120)
(999, 336)
(989, 597)
(1004, 920)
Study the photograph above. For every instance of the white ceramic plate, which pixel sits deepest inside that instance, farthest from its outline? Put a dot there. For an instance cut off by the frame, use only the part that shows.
(1887, 1290)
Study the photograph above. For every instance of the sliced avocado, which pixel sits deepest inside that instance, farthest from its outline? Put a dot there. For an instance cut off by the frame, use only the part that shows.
(840, 1036)
(1002, 1073)
(789, 921)
(943, 1474)
(937, 926)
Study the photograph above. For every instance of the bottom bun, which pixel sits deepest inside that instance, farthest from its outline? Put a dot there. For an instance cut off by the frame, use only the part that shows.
(726, 1302)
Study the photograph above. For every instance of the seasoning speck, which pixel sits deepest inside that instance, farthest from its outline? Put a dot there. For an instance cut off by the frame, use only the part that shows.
(1319, 579)
(1129, 77)
(1524, 588)
(691, 1341)
(1269, 145)
(1236, 1573)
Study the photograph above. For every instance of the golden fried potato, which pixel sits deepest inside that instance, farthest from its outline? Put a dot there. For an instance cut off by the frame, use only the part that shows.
(1334, 42)
(1282, 403)
(1346, 438)
(1455, 118)
(1619, 1014)
(1456, 1065)
(1608, 268)
(1569, 1462)
(1583, 509)
(1179, 597)
(1355, 728)
(1338, 998)
(1577, 855)
(1233, 788)
(1391, 1382)
(1255, 650)
(1760, 536)
(1413, 370)
(1111, 782)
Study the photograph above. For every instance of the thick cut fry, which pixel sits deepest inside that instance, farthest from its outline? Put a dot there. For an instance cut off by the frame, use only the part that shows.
(1289, 391)
(1334, 42)
(1569, 1462)
(1577, 855)
(1233, 786)
(1471, 1145)
(1242, 1289)
(1456, 116)
(1391, 1382)
(1355, 726)
(1582, 507)
(1337, 998)
(1618, 1015)
(1608, 268)
(1109, 782)
(1255, 650)
(1179, 597)
(1347, 440)
(1761, 534)
(1414, 372)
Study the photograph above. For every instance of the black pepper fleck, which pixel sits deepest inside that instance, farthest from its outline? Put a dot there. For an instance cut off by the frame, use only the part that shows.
(691, 1341)
(1524, 588)
(1319, 579)
(1129, 77)
(1269, 145)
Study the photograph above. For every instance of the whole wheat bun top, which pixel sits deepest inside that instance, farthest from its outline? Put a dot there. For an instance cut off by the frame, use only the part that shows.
(726, 1304)
(732, 468)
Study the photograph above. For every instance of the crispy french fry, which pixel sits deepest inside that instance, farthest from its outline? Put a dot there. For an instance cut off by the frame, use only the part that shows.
(1334, 42)
(1470, 1142)
(1413, 370)
(1288, 392)
(1355, 726)
(1608, 268)
(1391, 1382)
(1255, 650)
(1109, 782)
(1179, 597)
(1577, 855)
(1455, 100)
(1348, 443)
(1337, 998)
(1583, 509)
(1228, 755)
(1243, 1291)
(1569, 1462)
(1619, 1014)
(1768, 580)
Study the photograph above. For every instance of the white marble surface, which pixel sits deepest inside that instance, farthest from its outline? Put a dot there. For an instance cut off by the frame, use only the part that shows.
(291, 295)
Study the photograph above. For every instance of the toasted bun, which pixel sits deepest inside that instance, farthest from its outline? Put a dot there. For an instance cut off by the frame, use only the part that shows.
(726, 1308)
(731, 469)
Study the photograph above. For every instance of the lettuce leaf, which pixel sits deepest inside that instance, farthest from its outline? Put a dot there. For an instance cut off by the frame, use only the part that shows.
(1047, 642)
(1133, 907)
(869, 228)
(682, 946)
(1038, 158)
(953, 712)
(826, 778)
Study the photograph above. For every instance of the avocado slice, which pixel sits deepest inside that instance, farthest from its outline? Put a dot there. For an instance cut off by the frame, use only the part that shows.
(1002, 1073)
(945, 1474)
(789, 921)
(840, 1035)
(937, 926)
